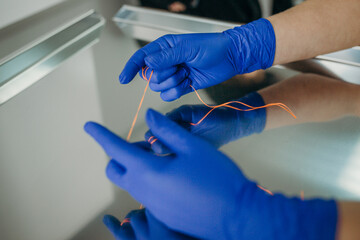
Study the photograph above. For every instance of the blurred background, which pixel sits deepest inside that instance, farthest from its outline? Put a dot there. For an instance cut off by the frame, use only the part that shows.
(59, 67)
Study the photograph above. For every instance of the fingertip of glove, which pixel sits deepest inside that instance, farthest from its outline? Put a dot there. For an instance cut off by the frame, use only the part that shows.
(159, 148)
(106, 219)
(89, 126)
(110, 221)
(155, 120)
(166, 97)
(151, 116)
(123, 79)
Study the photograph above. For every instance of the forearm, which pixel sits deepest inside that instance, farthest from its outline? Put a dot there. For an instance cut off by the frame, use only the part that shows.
(316, 27)
(313, 98)
(349, 218)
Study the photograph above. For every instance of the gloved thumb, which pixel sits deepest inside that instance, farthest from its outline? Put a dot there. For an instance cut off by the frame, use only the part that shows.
(112, 223)
(173, 136)
(168, 57)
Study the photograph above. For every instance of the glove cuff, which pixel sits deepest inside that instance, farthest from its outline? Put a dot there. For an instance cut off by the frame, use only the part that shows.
(254, 45)
(318, 219)
(310, 219)
(277, 217)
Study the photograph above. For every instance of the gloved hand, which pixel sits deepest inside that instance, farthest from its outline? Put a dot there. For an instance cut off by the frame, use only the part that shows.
(204, 59)
(141, 225)
(200, 192)
(221, 126)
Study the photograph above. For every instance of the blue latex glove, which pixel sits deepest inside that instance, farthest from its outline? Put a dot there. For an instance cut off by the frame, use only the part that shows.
(222, 125)
(204, 59)
(142, 225)
(200, 192)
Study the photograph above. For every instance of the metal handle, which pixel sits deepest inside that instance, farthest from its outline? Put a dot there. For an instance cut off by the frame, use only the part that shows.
(26, 67)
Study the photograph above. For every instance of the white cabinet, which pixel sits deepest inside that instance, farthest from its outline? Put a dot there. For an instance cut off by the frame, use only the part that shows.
(52, 179)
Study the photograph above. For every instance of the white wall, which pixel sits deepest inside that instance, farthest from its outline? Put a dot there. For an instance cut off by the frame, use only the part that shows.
(52, 179)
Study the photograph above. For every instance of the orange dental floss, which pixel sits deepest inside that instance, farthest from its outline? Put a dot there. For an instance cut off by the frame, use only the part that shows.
(140, 104)
(251, 108)
(302, 195)
(265, 190)
(126, 220)
(152, 139)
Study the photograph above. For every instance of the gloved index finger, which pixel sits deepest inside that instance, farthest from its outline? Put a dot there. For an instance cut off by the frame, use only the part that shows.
(136, 62)
(127, 154)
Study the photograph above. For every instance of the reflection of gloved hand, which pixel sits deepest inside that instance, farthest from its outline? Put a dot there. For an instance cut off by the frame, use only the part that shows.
(141, 225)
(222, 125)
(203, 60)
(200, 192)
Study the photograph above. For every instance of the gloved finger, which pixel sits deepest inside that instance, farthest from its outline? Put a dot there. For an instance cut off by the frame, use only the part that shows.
(170, 57)
(174, 93)
(158, 76)
(132, 213)
(136, 61)
(144, 145)
(156, 145)
(146, 73)
(117, 229)
(184, 115)
(153, 223)
(168, 132)
(143, 73)
(126, 154)
(112, 223)
(116, 174)
(149, 137)
(140, 225)
(134, 64)
(170, 82)
(114, 169)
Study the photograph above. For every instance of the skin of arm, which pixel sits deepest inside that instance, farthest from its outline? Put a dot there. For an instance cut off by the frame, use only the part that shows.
(313, 98)
(348, 223)
(305, 31)
(316, 27)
